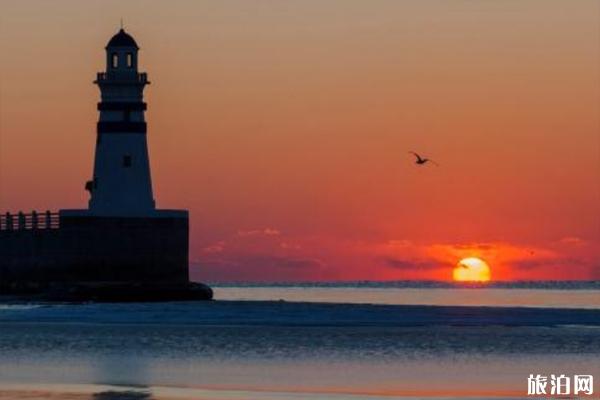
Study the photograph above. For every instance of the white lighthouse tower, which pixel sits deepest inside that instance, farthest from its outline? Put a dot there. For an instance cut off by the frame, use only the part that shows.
(121, 184)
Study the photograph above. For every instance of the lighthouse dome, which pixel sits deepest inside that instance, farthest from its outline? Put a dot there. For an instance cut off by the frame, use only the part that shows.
(122, 39)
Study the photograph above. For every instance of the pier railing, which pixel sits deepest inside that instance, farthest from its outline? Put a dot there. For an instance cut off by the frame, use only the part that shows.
(29, 221)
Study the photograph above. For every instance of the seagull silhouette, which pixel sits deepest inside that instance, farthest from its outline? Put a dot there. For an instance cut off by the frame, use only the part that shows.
(422, 160)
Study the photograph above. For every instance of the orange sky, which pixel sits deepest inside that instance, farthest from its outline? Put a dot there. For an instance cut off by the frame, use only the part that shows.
(284, 127)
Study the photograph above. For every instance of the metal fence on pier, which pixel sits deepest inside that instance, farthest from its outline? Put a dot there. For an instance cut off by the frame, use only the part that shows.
(30, 221)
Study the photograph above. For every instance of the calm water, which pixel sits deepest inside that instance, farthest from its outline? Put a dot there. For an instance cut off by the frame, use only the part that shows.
(389, 347)
(519, 294)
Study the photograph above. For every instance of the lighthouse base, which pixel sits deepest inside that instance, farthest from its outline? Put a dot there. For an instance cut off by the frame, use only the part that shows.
(100, 257)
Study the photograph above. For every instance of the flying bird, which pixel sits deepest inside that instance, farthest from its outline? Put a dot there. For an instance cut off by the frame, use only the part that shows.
(422, 160)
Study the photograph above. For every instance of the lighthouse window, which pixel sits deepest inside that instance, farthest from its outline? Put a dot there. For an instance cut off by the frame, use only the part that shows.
(129, 60)
(126, 161)
(115, 60)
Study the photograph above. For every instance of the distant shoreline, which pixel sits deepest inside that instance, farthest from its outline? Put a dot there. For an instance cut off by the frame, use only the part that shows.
(430, 284)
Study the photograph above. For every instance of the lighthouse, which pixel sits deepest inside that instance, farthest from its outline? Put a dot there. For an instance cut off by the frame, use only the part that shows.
(121, 247)
(121, 184)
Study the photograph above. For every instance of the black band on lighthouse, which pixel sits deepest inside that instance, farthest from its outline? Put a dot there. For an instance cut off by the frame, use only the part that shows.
(121, 106)
(122, 127)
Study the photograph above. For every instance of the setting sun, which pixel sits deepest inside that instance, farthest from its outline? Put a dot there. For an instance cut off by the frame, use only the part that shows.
(471, 269)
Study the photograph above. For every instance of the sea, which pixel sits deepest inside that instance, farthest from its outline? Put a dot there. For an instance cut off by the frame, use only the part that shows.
(306, 341)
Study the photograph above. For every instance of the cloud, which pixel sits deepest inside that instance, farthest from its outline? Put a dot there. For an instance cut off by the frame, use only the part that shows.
(259, 255)
(217, 247)
(548, 262)
(290, 246)
(400, 243)
(277, 261)
(573, 241)
(302, 263)
(411, 264)
(471, 246)
(267, 254)
(507, 260)
(259, 232)
(256, 267)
